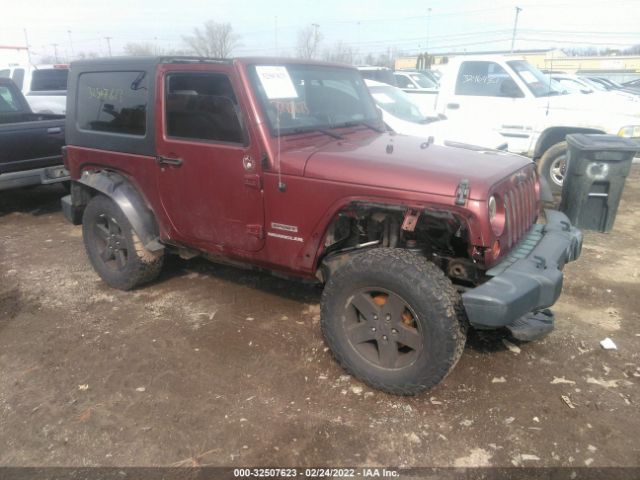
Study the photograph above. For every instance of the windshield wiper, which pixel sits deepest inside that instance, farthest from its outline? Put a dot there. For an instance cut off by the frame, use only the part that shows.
(319, 130)
(356, 123)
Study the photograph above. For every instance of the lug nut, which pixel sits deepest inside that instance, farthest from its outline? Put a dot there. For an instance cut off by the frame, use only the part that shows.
(393, 330)
(375, 317)
(384, 337)
(388, 317)
(373, 329)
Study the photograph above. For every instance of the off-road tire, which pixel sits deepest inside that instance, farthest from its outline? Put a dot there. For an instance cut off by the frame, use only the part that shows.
(141, 266)
(426, 291)
(546, 162)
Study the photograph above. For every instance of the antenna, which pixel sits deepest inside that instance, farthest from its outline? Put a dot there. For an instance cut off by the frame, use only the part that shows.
(549, 92)
(281, 186)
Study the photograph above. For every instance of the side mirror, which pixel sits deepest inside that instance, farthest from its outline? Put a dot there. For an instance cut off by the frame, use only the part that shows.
(509, 88)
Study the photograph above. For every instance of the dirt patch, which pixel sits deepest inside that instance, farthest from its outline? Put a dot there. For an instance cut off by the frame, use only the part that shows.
(219, 366)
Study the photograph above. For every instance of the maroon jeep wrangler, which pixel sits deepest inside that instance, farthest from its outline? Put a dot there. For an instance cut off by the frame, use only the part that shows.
(285, 165)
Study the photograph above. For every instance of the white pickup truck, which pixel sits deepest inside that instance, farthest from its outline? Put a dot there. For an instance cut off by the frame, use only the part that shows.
(44, 86)
(534, 115)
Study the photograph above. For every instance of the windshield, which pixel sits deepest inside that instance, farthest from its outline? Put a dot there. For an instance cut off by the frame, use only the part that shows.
(397, 103)
(8, 102)
(422, 80)
(538, 83)
(298, 97)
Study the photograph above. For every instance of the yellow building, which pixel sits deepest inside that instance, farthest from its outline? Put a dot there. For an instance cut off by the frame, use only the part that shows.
(551, 59)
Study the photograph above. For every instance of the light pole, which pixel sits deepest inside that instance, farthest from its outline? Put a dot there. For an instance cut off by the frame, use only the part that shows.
(55, 51)
(73, 53)
(108, 39)
(428, 27)
(515, 27)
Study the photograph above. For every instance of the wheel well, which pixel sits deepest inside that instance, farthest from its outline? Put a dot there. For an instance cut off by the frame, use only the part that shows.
(551, 136)
(124, 194)
(440, 235)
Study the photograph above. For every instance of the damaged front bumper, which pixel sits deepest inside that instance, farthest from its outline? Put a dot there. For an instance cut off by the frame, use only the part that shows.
(527, 281)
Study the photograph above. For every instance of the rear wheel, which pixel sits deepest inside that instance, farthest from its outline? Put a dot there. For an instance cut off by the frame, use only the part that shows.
(114, 249)
(393, 320)
(553, 166)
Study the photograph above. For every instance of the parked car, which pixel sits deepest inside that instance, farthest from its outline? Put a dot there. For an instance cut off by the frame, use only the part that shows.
(576, 84)
(284, 165)
(633, 85)
(613, 86)
(44, 86)
(421, 88)
(30, 143)
(379, 74)
(402, 115)
(524, 105)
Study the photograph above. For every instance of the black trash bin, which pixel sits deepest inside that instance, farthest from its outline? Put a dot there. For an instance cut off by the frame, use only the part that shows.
(597, 166)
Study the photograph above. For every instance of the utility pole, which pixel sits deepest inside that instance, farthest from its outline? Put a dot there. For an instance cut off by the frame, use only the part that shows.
(316, 37)
(108, 39)
(515, 28)
(428, 28)
(275, 34)
(73, 54)
(26, 42)
(55, 51)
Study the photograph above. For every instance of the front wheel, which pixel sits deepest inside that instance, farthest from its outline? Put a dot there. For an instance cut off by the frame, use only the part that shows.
(553, 166)
(114, 249)
(393, 320)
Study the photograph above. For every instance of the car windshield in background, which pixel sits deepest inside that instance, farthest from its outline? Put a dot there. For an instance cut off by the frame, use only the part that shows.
(8, 103)
(49, 79)
(298, 98)
(538, 83)
(422, 80)
(397, 103)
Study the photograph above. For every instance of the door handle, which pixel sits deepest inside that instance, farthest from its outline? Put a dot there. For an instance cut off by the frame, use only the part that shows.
(453, 106)
(53, 130)
(174, 162)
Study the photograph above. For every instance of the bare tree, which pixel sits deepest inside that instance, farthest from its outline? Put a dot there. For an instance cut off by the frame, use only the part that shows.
(309, 39)
(139, 49)
(340, 53)
(215, 40)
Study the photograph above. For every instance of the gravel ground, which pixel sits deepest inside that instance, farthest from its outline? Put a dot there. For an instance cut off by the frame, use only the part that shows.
(216, 366)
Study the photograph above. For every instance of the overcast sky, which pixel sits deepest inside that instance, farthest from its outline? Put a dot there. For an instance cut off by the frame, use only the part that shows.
(368, 26)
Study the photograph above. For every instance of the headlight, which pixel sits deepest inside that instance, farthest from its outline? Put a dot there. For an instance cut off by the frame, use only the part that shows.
(493, 208)
(630, 131)
(496, 215)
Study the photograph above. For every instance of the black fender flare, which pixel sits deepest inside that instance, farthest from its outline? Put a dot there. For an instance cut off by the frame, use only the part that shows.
(130, 201)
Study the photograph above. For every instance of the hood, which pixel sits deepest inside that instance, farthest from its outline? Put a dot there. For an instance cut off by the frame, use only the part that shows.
(400, 162)
(444, 131)
(593, 106)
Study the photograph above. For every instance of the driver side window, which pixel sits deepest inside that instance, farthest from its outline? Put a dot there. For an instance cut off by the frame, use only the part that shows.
(202, 106)
(403, 82)
(485, 79)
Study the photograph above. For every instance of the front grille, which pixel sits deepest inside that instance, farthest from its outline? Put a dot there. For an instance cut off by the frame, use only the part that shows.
(520, 210)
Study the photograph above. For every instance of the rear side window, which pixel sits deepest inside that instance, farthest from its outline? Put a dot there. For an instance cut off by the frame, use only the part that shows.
(481, 79)
(202, 107)
(50, 79)
(114, 102)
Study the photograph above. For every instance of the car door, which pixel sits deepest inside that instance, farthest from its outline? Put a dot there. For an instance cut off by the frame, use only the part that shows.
(209, 179)
(487, 94)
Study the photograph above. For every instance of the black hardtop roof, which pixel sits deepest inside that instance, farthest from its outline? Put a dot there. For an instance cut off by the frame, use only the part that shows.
(152, 61)
(144, 61)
